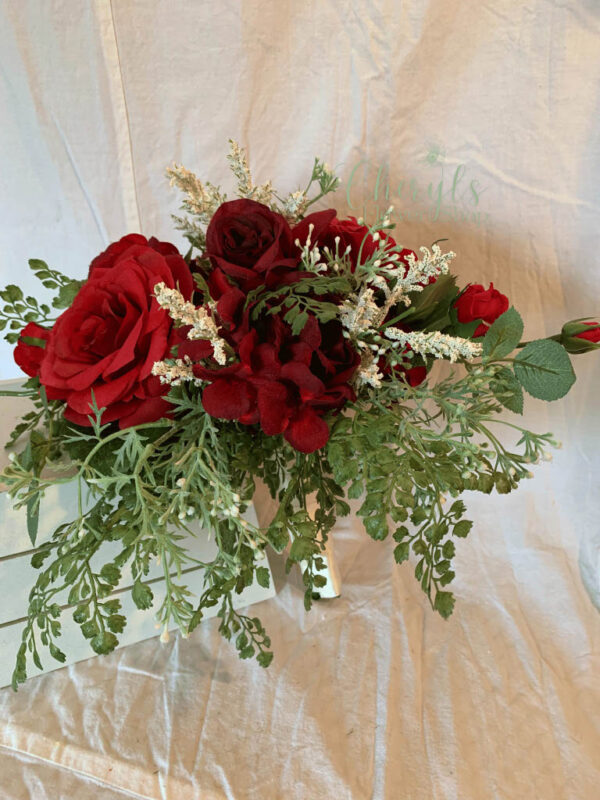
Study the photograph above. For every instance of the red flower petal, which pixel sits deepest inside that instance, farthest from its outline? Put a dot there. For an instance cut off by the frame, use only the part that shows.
(310, 386)
(273, 407)
(265, 362)
(148, 410)
(228, 398)
(229, 305)
(311, 334)
(320, 221)
(307, 431)
(217, 284)
(416, 375)
(196, 349)
(592, 335)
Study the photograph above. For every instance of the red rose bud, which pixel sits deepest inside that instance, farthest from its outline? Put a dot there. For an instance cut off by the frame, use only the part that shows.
(28, 353)
(479, 303)
(580, 336)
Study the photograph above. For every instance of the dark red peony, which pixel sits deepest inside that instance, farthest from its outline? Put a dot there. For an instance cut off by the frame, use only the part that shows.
(479, 303)
(29, 355)
(110, 337)
(285, 383)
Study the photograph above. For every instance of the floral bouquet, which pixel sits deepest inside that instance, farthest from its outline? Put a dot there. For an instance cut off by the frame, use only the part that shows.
(286, 347)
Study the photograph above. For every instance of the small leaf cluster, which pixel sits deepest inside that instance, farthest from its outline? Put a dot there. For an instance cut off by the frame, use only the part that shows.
(18, 310)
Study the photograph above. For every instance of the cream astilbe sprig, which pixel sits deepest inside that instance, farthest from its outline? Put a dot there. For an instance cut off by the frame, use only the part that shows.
(238, 163)
(412, 278)
(419, 271)
(436, 344)
(369, 373)
(202, 324)
(294, 205)
(360, 314)
(199, 199)
(175, 371)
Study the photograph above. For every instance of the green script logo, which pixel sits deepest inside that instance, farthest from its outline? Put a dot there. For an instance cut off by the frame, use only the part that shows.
(436, 191)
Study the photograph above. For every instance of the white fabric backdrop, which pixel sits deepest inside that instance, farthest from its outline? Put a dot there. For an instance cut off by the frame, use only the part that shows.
(493, 105)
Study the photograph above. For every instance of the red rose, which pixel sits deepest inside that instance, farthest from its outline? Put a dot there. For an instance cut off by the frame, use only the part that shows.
(283, 382)
(110, 337)
(245, 239)
(252, 244)
(107, 259)
(592, 335)
(29, 356)
(479, 303)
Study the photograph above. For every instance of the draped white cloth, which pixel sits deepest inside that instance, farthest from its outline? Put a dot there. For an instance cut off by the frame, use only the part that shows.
(481, 121)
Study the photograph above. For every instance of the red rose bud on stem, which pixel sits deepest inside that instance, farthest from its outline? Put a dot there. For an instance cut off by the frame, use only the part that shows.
(479, 303)
(580, 336)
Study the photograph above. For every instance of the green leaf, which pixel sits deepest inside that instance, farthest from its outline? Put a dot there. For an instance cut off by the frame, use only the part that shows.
(111, 574)
(446, 578)
(444, 604)
(278, 537)
(401, 552)
(142, 595)
(303, 548)
(37, 265)
(38, 558)
(507, 390)
(67, 294)
(419, 515)
(543, 368)
(503, 335)
(195, 620)
(89, 629)
(462, 528)
(434, 298)
(80, 614)
(104, 642)
(503, 483)
(264, 659)
(485, 483)
(11, 294)
(355, 490)
(449, 549)
(56, 653)
(299, 323)
(116, 623)
(262, 577)
(376, 527)
(33, 514)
